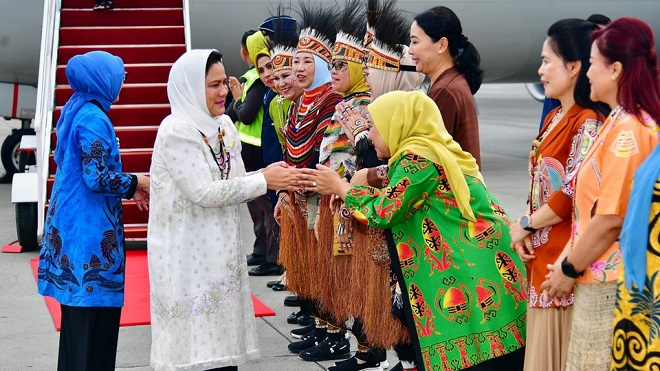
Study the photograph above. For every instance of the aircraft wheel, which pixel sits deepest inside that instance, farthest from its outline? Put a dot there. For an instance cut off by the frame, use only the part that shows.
(11, 157)
(26, 225)
(536, 90)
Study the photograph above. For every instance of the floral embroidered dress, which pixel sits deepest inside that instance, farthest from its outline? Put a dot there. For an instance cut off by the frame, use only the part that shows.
(199, 284)
(559, 154)
(201, 310)
(464, 292)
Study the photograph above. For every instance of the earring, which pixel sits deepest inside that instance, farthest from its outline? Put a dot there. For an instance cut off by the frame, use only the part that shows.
(613, 77)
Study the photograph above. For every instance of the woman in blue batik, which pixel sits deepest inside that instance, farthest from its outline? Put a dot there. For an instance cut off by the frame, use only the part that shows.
(82, 263)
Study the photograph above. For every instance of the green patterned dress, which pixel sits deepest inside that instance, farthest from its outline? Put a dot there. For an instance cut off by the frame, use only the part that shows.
(464, 291)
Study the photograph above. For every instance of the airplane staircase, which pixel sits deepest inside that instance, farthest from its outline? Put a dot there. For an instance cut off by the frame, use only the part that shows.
(149, 36)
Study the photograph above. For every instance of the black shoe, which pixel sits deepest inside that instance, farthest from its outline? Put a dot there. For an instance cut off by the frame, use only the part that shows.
(291, 301)
(293, 317)
(266, 269)
(270, 284)
(278, 287)
(299, 333)
(305, 320)
(299, 346)
(352, 364)
(327, 350)
(255, 259)
(375, 355)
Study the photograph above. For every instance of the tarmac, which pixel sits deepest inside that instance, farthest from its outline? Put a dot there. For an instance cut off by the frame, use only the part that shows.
(508, 119)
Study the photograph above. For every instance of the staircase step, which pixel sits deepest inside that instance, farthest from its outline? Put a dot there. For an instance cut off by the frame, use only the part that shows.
(133, 215)
(132, 162)
(135, 231)
(130, 137)
(121, 17)
(166, 53)
(130, 94)
(119, 4)
(137, 73)
(121, 35)
(128, 115)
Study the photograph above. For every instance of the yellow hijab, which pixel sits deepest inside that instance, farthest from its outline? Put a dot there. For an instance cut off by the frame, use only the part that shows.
(357, 81)
(257, 46)
(411, 121)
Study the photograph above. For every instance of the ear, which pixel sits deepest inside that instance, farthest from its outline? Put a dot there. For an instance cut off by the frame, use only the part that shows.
(574, 68)
(442, 45)
(617, 70)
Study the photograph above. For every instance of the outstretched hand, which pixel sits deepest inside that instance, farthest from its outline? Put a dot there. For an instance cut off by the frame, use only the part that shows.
(323, 180)
(280, 176)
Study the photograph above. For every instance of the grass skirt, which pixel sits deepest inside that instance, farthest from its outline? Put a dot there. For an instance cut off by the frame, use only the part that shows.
(298, 252)
(370, 292)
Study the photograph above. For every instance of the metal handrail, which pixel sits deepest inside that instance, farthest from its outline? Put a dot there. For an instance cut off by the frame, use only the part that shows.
(43, 120)
(186, 23)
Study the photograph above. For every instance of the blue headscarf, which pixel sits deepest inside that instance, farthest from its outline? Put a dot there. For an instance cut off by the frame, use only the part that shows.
(95, 76)
(634, 237)
(321, 73)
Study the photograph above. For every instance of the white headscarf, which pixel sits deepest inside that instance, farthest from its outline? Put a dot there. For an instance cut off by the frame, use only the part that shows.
(186, 90)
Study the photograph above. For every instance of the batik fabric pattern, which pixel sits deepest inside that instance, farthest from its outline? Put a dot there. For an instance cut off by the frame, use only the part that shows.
(636, 334)
(82, 264)
(464, 292)
(604, 182)
(559, 154)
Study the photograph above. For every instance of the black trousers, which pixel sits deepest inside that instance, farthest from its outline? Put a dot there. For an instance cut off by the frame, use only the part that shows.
(266, 230)
(88, 339)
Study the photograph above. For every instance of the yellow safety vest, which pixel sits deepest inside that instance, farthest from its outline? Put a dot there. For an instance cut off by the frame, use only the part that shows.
(251, 134)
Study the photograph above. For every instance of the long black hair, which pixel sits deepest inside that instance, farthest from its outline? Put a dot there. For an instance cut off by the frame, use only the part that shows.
(439, 22)
(570, 39)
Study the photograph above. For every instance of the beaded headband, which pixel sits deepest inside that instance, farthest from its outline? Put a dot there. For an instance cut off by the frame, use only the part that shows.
(347, 48)
(311, 41)
(382, 57)
(368, 39)
(282, 58)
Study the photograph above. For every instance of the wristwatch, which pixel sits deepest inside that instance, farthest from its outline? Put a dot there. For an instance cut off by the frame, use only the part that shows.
(525, 223)
(569, 270)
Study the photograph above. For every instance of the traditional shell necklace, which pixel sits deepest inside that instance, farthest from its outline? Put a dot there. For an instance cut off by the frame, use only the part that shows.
(222, 157)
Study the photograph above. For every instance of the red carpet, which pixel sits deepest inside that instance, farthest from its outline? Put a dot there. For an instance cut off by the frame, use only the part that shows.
(136, 303)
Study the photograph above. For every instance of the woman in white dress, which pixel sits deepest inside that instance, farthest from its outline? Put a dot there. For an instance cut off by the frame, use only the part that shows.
(201, 311)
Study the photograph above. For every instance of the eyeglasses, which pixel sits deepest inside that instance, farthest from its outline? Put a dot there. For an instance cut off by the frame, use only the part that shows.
(226, 84)
(125, 74)
(337, 65)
